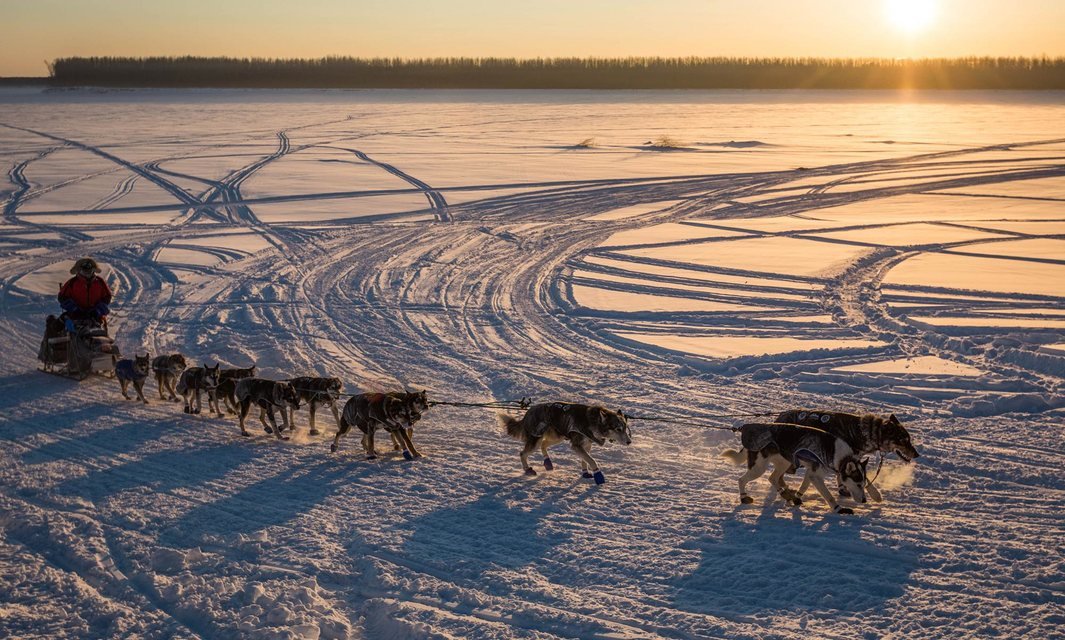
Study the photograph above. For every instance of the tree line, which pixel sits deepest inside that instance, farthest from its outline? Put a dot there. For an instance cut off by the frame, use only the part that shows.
(563, 73)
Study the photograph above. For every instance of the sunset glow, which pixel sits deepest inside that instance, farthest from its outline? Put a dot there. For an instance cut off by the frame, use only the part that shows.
(911, 16)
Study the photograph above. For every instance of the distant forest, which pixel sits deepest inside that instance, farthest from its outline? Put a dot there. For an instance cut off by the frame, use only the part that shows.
(564, 73)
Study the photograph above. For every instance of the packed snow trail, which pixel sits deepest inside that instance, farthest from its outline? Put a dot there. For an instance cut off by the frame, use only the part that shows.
(123, 519)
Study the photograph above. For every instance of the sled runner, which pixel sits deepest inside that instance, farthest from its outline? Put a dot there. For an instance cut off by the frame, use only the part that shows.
(77, 350)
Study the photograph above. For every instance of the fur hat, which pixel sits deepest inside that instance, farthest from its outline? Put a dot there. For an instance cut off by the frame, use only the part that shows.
(85, 262)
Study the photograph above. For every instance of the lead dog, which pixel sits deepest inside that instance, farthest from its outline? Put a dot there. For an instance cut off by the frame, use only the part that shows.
(547, 424)
(393, 412)
(167, 369)
(787, 446)
(315, 392)
(133, 371)
(268, 395)
(227, 385)
(197, 380)
(866, 434)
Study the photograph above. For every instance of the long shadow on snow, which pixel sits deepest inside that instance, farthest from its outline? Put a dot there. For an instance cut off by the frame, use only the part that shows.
(119, 437)
(501, 528)
(272, 501)
(31, 386)
(778, 564)
(163, 470)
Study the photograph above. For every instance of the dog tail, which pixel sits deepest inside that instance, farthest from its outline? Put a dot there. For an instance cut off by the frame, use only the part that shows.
(511, 425)
(735, 457)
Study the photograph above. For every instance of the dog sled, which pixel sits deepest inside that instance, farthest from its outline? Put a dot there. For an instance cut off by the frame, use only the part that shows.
(77, 350)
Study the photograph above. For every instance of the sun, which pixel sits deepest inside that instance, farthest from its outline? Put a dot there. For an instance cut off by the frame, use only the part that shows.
(910, 16)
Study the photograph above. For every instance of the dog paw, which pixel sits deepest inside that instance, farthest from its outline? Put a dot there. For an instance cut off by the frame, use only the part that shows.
(315, 432)
(333, 449)
(844, 511)
(548, 464)
(599, 477)
(245, 434)
(586, 474)
(146, 402)
(796, 501)
(268, 429)
(372, 456)
(529, 471)
(746, 500)
(187, 410)
(407, 455)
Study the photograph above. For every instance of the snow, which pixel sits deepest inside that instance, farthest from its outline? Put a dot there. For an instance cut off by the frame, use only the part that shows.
(868, 251)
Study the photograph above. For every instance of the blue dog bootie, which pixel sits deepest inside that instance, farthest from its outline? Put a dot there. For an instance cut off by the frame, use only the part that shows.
(407, 455)
(599, 477)
(550, 466)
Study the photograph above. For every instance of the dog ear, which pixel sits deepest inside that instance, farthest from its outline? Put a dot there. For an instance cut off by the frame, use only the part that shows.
(602, 415)
(865, 463)
(893, 420)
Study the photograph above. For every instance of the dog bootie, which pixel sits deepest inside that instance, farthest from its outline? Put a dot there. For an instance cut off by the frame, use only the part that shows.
(599, 477)
(548, 464)
(530, 471)
(586, 474)
(407, 455)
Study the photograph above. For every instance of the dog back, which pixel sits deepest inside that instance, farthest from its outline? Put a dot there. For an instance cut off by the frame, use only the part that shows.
(317, 389)
(170, 364)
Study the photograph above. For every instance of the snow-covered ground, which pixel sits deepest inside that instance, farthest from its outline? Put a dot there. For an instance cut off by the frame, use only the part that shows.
(694, 253)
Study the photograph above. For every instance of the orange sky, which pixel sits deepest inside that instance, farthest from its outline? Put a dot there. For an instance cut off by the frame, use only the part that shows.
(40, 30)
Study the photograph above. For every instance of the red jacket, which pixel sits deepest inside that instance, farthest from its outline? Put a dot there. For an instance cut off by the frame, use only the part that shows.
(85, 293)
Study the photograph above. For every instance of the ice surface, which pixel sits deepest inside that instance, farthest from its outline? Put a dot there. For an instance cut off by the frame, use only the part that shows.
(466, 243)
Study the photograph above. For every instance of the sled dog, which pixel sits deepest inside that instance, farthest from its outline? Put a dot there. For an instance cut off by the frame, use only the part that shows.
(419, 404)
(133, 371)
(791, 445)
(197, 380)
(227, 385)
(393, 412)
(549, 423)
(316, 392)
(866, 434)
(167, 369)
(268, 395)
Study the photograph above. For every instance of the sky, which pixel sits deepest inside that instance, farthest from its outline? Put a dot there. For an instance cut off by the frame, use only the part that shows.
(37, 31)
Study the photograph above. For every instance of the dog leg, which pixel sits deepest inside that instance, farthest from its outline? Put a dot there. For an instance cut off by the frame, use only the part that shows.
(336, 443)
(804, 485)
(819, 484)
(313, 409)
(199, 402)
(123, 383)
(159, 385)
(409, 452)
(245, 406)
(212, 398)
(139, 386)
(530, 446)
(597, 474)
(188, 402)
(368, 443)
(780, 467)
(273, 423)
(755, 470)
(396, 445)
(547, 459)
(262, 420)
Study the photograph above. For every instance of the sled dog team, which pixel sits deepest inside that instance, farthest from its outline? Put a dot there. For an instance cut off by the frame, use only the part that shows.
(820, 442)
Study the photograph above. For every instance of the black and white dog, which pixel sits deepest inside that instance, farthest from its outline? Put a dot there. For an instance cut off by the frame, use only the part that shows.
(197, 380)
(788, 446)
(547, 424)
(316, 392)
(393, 412)
(866, 434)
(268, 395)
(167, 369)
(133, 371)
(227, 385)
